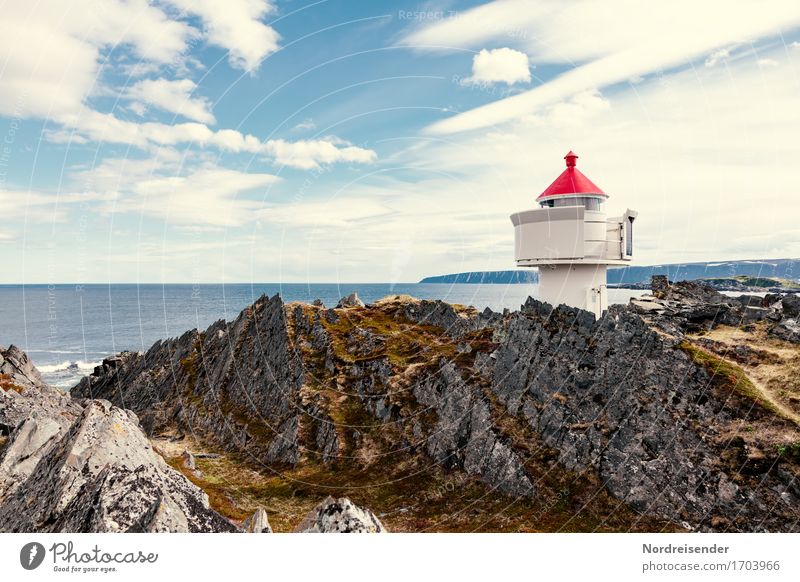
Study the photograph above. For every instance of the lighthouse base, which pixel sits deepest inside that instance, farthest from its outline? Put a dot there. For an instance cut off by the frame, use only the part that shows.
(582, 286)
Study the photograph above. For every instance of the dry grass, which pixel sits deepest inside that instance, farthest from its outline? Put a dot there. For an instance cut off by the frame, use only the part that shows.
(776, 377)
(411, 495)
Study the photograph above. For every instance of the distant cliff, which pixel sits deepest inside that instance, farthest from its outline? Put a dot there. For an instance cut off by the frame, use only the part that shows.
(487, 277)
(774, 268)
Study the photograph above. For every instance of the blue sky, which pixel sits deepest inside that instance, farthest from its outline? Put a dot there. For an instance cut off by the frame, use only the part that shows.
(250, 140)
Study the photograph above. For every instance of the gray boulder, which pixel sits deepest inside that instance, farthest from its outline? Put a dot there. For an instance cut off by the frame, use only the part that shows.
(351, 300)
(340, 516)
(791, 305)
(257, 523)
(659, 283)
(99, 475)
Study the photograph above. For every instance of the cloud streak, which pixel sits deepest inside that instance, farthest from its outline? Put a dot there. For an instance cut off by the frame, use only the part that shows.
(174, 96)
(603, 53)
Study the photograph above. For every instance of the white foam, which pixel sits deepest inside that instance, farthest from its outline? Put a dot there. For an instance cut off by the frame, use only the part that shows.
(67, 366)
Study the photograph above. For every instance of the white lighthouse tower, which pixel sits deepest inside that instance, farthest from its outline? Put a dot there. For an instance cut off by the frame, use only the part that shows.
(572, 241)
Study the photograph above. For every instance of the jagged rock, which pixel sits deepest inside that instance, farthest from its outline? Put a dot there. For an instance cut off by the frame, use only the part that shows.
(618, 398)
(750, 301)
(340, 516)
(23, 396)
(751, 314)
(787, 330)
(693, 292)
(99, 475)
(257, 523)
(17, 369)
(646, 305)
(24, 451)
(351, 300)
(445, 316)
(465, 437)
(187, 459)
(791, 305)
(240, 388)
(659, 284)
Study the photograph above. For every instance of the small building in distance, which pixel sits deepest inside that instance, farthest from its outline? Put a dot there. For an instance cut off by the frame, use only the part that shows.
(572, 241)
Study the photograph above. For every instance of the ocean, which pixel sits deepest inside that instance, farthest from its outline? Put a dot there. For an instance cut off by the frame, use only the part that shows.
(68, 329)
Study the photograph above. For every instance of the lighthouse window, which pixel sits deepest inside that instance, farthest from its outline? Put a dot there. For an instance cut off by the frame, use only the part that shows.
(585, 201)
(591, 204)
(629, 236)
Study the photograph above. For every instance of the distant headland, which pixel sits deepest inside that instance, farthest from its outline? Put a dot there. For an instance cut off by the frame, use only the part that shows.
(736, 275)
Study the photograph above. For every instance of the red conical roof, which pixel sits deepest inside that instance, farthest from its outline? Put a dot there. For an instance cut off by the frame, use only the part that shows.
(570, 182)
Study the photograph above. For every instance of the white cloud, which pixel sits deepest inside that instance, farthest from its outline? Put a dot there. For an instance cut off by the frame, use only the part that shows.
(336, 212)
(51, 53)
(717, 56)
(302, 154)
(767, 63)
(22, 207)
(212, 196)
(62, 136)
(573, 112)
(172, 96)
(237, 26)
(587, 35)
(50, 50)
(503, 65)
(200, 196)
(310, 154)
(139, 109)
(305, 125)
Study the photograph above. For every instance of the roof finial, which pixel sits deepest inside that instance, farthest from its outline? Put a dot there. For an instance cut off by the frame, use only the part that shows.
(571, 157)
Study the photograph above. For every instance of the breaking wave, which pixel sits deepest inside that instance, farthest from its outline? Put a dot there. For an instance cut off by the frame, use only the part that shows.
(67, 366)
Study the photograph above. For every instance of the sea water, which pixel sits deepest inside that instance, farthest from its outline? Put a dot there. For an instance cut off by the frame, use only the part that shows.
(68, 329)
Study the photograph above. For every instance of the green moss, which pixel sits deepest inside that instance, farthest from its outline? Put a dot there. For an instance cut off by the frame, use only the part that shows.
(789, 450)
(218, 496)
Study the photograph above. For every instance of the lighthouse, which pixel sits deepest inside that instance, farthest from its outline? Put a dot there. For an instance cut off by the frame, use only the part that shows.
(572, 241)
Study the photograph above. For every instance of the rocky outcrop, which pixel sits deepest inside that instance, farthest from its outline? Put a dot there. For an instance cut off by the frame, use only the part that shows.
(24, 396)
(98, 474)
(518, 402)
(16, 370)
(340, 516)
(351, 300)
(621, 399)
(236, 383)
(692, 306)
(791, 306)
(465, 436)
